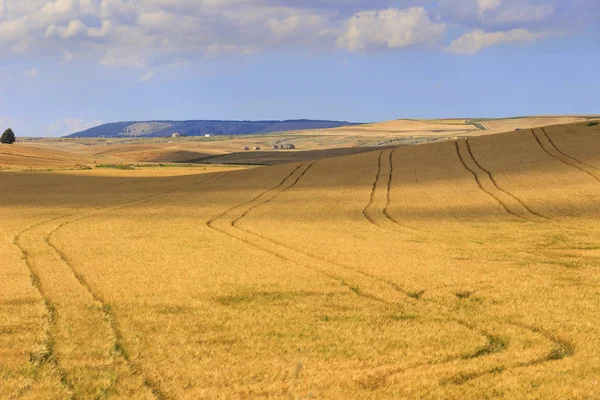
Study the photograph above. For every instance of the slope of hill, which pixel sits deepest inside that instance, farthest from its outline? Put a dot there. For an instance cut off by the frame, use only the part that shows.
(23, 156)
(200, 128)
(464, 269)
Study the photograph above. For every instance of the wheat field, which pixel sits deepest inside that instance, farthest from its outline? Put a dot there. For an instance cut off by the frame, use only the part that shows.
(461, 269)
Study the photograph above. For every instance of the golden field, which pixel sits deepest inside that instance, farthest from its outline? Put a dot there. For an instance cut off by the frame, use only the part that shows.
(310, 144)
(460, 269)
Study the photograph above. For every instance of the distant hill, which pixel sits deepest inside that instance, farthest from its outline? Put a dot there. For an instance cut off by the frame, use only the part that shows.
(201, 128)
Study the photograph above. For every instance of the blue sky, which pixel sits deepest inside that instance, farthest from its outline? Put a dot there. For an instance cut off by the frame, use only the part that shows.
(66, 65)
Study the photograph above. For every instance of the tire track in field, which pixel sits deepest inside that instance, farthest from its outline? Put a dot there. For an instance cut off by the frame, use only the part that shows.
(118, 347)
(207, 180)
(256, 197)
(546, 143)
(376, 210)
(495, 343)
(276, 194)
(561, 349)
(373, 188)
(487, 185)
(491, 176)
(45, 355)
(227, 227)
(388, 202)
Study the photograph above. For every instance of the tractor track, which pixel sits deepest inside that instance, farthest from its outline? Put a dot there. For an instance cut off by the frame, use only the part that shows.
(491, 176)
(118, 347)
(490, 348)
(209, 181)
(110, 316)
(503, 198)
(383, 211)
(494, 344)
(546, 143)
(373, 188)
(388, 202)
(48, 356)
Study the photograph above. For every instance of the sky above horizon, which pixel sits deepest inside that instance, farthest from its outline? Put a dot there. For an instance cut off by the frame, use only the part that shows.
(67, 65)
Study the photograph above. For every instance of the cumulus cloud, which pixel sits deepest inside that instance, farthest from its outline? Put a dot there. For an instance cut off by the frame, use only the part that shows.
(144, 33)
(477, 40)
(391, 28)
(485, 5)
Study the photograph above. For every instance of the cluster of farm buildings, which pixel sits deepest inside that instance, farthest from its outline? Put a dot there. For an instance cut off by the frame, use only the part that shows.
(275, 147)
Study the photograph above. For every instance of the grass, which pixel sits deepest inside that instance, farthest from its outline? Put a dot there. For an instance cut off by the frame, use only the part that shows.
(116, 166)
(159, 294)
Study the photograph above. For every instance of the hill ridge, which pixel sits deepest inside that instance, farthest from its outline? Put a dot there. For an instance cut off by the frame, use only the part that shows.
(162, 128)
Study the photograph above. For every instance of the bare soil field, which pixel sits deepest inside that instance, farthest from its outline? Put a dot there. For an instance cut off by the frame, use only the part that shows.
(460, 269)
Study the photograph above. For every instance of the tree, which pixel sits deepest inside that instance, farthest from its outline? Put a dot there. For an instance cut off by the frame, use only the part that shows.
(8, 137)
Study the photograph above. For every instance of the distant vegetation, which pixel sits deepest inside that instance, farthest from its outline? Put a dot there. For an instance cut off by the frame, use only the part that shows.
(201, 128)
(593, 123)
(8, 137)
(115, 166)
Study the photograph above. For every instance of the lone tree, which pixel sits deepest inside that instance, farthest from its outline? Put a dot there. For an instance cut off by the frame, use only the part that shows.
(8, 137)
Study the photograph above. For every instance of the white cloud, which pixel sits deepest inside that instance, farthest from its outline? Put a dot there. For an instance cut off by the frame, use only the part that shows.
(391, 28)
(73, 28)
(146, 77)
(485, 5)
(477, 40)
(522, 13)
(69, 125)
(100, 32)
(31, 73)
(145, 33)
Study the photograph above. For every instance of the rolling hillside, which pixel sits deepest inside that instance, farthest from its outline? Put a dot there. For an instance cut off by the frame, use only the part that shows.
(463, 269)
(200, 128)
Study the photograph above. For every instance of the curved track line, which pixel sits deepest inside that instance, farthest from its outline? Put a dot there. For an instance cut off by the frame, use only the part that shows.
(490, 348)
(494, 344)
(565, 154)
(218, 178)
(489, 173)
(256, 197)
(48, 342)
(395, 226)
(105, 308)
(373, 188)
(550, 148)
(110, 316)
(231, 223)
(388, 202)
(481, 185)
(276, 195)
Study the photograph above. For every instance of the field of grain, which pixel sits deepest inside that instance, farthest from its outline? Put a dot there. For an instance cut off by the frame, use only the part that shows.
(309, 144)
(461, 269)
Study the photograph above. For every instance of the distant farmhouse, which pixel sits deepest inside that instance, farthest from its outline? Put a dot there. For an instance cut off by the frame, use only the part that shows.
(176, 135)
